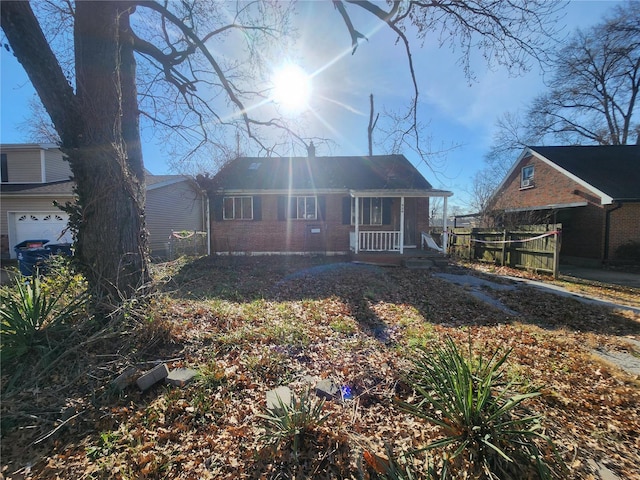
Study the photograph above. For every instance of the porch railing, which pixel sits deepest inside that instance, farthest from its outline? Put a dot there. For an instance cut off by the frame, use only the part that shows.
(379, 241)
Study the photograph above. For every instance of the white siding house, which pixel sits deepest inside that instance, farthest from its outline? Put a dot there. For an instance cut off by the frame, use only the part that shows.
(35, 176)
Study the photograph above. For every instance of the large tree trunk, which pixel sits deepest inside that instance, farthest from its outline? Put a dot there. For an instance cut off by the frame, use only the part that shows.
(111, 240)
(100, 135)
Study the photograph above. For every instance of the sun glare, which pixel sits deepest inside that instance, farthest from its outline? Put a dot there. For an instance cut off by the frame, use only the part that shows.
(291, 88)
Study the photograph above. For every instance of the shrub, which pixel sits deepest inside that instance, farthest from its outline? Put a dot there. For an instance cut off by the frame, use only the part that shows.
(629, 251)
(488, 433)
(287, 424)
(30, 316)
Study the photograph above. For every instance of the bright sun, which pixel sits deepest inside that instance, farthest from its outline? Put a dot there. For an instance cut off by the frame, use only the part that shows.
(291, 88)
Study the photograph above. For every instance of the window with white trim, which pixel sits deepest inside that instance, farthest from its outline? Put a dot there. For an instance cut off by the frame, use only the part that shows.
(369, 210)
(303, 207)
(237, 208)
(526, 177)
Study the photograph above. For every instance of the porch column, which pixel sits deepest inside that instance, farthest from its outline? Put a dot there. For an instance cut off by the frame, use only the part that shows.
(401, 225)
(445, 236)
(357, 222)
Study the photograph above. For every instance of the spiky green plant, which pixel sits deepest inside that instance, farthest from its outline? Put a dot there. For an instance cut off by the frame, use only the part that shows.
(30, 316)
(287, 424)
(487, 431)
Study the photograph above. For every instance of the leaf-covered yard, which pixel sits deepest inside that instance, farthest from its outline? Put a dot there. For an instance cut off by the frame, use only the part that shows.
(248, 325)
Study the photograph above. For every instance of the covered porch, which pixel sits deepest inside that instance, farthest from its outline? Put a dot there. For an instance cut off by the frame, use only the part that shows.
(405, 234)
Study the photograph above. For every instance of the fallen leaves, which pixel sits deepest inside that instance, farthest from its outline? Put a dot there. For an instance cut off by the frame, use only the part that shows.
(250, 325)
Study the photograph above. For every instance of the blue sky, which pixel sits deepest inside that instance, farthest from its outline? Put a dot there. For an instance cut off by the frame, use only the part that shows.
(454, 111)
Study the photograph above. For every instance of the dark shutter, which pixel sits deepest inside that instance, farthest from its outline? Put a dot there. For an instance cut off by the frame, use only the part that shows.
(346, 210)
(322, 208)
(386, 210)
(217, 208)
(292, 210)
(281, 207)
(257, 208)
(3, 167)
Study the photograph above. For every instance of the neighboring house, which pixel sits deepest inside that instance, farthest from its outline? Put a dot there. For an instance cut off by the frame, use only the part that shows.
(302, 205)
(593, 191)
(36, 175)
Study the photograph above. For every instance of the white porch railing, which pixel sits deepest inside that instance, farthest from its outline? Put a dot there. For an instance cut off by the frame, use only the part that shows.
(379, 241)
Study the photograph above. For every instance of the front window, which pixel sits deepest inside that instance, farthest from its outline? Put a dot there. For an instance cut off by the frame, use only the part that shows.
(369, 211)
(303, 208)
(238, 208)
(526, 179)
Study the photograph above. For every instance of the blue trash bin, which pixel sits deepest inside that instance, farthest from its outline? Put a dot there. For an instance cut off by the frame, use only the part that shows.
(59, 249)
(31, 254)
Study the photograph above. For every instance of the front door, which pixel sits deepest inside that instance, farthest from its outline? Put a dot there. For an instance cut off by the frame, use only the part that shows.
(409, 222)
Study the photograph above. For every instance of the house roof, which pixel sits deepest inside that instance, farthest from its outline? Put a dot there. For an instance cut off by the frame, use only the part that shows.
(65, 187)
(379, 172)
(611, 170)
(62, 187)
(26, 146)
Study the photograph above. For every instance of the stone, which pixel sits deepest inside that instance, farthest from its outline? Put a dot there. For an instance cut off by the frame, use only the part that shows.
(327, 388)
(278, 395)
(179, 377)
(153, 376)
(126, 378)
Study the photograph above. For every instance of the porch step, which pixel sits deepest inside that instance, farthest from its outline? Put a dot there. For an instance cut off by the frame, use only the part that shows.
(434, 261)
(378, 259)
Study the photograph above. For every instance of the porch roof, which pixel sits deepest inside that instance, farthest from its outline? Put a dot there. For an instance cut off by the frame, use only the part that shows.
(401, 193)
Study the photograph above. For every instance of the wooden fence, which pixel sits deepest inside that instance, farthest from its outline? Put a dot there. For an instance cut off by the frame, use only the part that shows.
(529, 247)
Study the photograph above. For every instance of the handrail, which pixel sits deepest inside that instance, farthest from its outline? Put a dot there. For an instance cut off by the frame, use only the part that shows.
(379, 241)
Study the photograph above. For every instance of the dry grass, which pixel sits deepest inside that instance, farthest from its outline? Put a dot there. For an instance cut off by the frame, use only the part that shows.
(251, 324)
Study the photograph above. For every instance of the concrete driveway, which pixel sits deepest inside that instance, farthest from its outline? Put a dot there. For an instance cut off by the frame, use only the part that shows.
(600, 275)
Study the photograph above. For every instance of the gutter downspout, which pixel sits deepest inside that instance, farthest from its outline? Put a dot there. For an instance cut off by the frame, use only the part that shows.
(607, 230)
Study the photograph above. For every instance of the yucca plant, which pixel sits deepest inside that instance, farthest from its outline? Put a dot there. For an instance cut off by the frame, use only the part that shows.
(487, 431)
(289, 423)
(29, 316)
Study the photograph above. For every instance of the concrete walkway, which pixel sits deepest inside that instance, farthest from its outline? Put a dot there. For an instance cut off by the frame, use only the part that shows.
(550, 288)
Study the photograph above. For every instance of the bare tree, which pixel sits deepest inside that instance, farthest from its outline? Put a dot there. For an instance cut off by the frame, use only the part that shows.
(594, 89)
(508, 34)
(591, 99)
(155, 59)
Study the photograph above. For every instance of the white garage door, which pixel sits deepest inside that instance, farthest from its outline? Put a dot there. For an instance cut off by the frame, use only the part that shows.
(41, 226)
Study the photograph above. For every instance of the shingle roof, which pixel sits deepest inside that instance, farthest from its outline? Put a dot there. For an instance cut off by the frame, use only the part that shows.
(320, 173)
(63, 187)
(612, 169)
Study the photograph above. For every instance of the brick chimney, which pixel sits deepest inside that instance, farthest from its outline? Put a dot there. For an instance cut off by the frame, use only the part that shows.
(311, 150)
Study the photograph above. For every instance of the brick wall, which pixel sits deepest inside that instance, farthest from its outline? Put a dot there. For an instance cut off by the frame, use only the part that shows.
(272, 235)
(550, 187)
(583, 232)
(583, 228)
(624, 226)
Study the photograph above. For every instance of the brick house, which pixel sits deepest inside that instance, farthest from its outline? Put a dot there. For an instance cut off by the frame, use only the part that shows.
(593, 191)
(34, 176)
(309, 205)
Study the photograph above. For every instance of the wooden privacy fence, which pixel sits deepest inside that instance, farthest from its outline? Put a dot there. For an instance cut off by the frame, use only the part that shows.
(530, 247)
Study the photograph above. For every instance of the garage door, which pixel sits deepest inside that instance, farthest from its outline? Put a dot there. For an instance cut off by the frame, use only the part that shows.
(40, 226)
